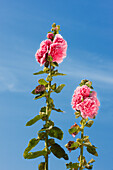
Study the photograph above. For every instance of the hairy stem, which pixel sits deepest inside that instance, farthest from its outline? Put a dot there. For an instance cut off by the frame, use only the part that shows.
(47, 113)
(81, 148)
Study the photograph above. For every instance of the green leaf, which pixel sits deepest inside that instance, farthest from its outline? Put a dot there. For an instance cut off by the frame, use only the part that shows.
(58, 74)
(58, 110)
(48, 126)
(91, 149)
(58, 151)
(41, 135)
(54, 64)
(59, 88)
(83, 121)
(89, 123)
(34, 120)
(40, 72)
(33, 92)
(56, 133)
(33, 155)
(91, 161)
(73, 165)
(42, 82)
(41, 166)
(44, 94)
(32, 143)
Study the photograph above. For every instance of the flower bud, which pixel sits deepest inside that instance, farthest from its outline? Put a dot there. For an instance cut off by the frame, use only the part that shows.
(68, 146)
(50, 36)
(39, 89)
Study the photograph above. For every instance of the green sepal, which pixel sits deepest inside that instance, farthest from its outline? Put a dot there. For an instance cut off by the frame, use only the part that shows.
(41, 166)
(89, 123)
(42, 82)
(75, 145)
(83, 121)
(59, 88)
(46, 70)
(58, 151)
(58, 110)
(77, 114)
(91, 149)
(49, 124)
(56, 133)
(54, 64)
(43, 94)
(72, 165)
(73, 129)
(34, 120)
(31, 155)
(40, 72)
(49, 58)
(33, 92)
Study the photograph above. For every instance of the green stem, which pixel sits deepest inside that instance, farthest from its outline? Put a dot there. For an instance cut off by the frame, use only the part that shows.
(47, 113)
(81, 148)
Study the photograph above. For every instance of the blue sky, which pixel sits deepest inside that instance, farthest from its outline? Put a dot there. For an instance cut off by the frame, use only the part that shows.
(87, 26)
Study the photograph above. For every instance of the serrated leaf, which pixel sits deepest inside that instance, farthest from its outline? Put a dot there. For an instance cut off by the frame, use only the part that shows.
(42, 82)
(92, 150)
(34, 120)
(58, 151)
(59, 88)
(89, 123)
(40, 72)
(58, 110)
(56, 133)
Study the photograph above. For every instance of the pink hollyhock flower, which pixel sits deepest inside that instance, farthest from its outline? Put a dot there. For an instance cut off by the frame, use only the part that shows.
(85, 101)
(41, 53)
(50, 36)
(89, 107)
(56, 49)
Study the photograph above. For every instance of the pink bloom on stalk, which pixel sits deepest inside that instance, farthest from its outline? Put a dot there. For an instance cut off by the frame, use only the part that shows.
(50, 36)
(86, 102)
(58, 49)
(89, 107)
(41, 53)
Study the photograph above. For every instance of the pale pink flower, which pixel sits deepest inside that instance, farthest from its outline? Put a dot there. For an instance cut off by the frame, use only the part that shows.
(76, 100)
(83, 90)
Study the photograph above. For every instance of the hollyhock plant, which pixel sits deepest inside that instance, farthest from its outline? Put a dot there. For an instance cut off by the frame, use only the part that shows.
(86, 105)
(51, 52)
(55, 46)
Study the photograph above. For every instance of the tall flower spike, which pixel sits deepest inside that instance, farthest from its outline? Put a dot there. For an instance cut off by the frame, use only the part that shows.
(51, 52)
(86, 105)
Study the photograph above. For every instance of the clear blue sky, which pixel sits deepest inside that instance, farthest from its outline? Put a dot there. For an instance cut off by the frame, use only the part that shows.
(87, 25)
